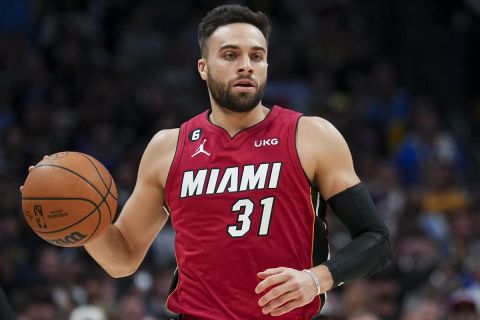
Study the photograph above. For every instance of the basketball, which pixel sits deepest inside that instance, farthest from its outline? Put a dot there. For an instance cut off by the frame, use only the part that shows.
(69, 198)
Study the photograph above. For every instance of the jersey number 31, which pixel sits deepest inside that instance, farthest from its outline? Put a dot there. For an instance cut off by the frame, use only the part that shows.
(244, 208)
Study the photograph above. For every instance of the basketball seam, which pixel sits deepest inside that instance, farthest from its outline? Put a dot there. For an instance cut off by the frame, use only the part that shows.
(98, 172)
(106, 202)
(109, 188)
(71, 171)
(98, 223)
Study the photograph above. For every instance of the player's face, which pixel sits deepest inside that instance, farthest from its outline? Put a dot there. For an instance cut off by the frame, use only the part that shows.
(236, 66)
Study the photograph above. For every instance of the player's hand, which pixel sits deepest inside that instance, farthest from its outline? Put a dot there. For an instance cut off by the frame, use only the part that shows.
(30, 169)
(289, 289)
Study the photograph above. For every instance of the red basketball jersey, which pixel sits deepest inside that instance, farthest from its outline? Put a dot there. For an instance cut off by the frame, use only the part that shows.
(239, 205)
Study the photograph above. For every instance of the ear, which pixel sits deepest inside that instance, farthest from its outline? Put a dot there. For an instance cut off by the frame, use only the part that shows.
(202, 68)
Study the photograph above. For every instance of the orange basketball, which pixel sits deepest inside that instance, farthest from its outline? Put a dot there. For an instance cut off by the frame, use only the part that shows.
(69, 198)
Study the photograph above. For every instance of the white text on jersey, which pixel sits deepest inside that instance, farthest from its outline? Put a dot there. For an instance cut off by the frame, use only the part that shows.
(266, 142)
(210, 181)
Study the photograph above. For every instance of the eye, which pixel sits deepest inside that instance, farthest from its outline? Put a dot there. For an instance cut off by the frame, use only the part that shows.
(229, 55)
(257, 57)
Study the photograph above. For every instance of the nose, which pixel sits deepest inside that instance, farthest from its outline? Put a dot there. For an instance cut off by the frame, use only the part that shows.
(245, 66)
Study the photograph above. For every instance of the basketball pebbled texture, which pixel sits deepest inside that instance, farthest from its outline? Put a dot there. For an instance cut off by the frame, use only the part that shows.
(69, 198)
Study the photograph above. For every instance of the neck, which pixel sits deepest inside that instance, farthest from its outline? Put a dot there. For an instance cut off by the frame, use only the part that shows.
(234, 122)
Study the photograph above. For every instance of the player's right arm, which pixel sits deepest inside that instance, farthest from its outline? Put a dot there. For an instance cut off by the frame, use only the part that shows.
(123, 245)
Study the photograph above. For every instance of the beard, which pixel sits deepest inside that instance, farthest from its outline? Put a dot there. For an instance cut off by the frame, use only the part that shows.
(236, 102)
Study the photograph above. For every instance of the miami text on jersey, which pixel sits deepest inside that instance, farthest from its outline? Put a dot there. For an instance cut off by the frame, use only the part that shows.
(232, 179)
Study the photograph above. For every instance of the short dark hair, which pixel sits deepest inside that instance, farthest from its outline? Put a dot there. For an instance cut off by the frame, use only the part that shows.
(227, 14)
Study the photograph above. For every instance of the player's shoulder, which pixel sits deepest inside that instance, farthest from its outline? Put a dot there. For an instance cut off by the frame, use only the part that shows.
(313, 127)
(159, 154)
(165, 138)
(162, 145)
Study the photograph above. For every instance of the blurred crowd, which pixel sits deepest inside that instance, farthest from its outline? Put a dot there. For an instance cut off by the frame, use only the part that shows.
(399, 79)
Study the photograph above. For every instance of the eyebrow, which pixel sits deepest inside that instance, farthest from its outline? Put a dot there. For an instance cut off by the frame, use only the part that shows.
(230, 46)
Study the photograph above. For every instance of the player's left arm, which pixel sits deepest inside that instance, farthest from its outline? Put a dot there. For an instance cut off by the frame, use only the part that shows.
(369, 251)
(326, 159)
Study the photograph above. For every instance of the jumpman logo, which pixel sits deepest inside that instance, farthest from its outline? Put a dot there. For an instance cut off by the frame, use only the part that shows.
(200, 149)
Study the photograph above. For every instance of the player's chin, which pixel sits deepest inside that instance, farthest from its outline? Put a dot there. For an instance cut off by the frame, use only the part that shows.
(245, 97)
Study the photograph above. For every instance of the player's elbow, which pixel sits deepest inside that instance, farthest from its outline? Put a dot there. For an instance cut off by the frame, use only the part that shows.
(121, 271)
(120, 274)
(385, 247)
(380, 241)
(122, 267)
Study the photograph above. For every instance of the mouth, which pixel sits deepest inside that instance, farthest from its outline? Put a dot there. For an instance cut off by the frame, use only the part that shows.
(244, 84)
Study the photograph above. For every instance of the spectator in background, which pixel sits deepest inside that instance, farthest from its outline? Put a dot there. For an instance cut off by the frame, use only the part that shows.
(15, 16)
(442, 193)
(87, 312)
(428, 143)
(39, 306)
(462, 307)
(424, 309)
(388, 105)
(384, 297)
(388, 193)
(132, 307)
(417, 257)
(5, 310)
(363, 315)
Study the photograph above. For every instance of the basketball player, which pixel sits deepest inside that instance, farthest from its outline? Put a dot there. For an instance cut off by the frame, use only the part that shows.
(237, 183)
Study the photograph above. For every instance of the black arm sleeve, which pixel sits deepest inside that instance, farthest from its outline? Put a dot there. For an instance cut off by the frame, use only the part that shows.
(369, 251)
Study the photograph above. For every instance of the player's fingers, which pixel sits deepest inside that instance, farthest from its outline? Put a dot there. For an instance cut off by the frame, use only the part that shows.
(270, 272)
(271, 281)
(275, 293)
(289, 306)
(45, 156)
(280, 301)
(29, 169)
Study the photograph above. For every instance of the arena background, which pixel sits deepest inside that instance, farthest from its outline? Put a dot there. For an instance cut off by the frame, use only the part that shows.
(400, 79)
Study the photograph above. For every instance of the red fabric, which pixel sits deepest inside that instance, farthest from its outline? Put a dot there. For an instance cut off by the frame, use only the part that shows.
(219, 257)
